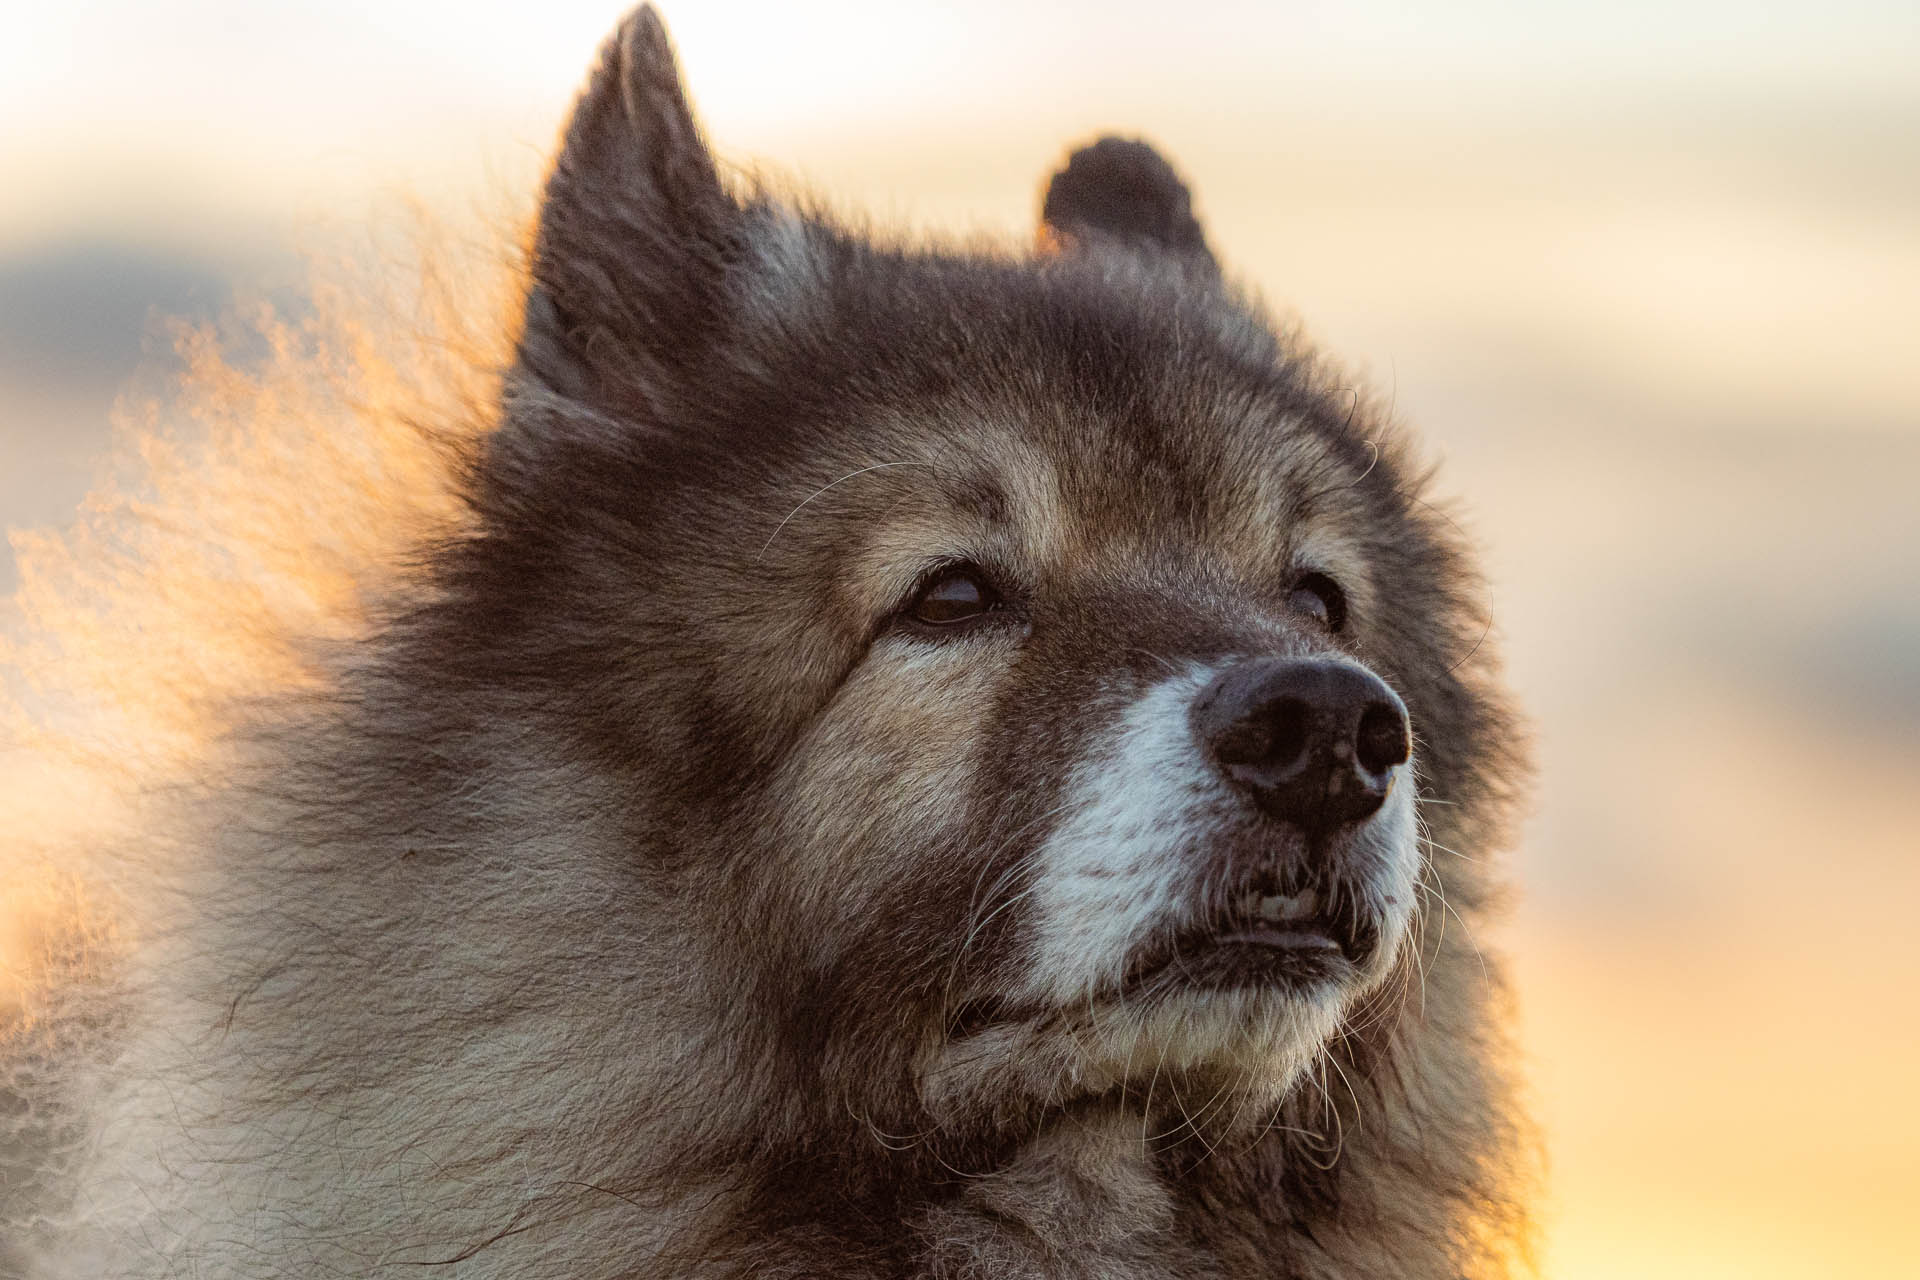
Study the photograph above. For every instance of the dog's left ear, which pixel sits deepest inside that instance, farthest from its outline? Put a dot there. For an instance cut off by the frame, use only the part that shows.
(1120, 190)
(636, 232)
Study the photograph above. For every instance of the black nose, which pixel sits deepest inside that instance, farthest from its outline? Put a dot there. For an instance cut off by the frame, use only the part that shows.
(1314, 741)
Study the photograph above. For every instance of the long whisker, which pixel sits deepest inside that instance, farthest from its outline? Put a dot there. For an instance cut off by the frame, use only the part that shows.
(878, 466)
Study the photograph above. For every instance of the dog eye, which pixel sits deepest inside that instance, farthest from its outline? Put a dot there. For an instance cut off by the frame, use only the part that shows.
(955, 596)
(1320, 598)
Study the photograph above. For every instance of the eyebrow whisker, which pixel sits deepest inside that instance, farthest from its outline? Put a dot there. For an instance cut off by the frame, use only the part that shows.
(878, 466)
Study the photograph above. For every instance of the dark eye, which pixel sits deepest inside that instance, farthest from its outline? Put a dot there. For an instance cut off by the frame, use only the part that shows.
(1320, 598)
(953, 597)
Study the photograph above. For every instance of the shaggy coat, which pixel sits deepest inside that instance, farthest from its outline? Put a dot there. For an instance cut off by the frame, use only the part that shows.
(657, 886)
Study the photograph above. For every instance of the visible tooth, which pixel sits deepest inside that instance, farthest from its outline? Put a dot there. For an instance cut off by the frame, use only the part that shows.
(1281, 907)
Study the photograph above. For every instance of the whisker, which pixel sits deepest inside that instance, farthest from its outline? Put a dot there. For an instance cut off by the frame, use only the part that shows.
(878, 466)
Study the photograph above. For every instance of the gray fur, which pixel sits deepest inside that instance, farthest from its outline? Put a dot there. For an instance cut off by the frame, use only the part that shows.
(640, 898)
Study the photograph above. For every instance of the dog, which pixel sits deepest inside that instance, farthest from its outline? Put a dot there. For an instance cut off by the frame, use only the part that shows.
(909, 762)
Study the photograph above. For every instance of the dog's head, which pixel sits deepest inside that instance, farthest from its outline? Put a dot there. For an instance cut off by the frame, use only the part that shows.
(1023, 671)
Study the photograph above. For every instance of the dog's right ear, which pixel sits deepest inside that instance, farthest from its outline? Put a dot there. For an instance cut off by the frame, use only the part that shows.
(635, 234)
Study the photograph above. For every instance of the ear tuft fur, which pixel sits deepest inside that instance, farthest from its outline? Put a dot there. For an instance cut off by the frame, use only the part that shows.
(633, 126)
(635, 232)
(1122, 189)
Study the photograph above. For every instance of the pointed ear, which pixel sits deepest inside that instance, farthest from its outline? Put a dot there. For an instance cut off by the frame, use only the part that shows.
(1121, 190)
(635, 232)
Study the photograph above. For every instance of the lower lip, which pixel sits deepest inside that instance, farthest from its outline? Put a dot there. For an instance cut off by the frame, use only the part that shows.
(1287, 938)
(1265, 956)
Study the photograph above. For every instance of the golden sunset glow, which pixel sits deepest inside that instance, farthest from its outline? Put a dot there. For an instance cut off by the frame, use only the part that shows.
(1644, 279)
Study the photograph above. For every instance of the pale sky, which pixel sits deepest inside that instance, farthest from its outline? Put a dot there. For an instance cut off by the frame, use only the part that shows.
(210, 108)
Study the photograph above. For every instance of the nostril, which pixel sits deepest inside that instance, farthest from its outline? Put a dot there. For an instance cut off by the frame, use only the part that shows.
(1382, 741)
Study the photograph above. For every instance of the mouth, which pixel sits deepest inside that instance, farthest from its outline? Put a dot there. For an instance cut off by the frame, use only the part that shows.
(1264, 935)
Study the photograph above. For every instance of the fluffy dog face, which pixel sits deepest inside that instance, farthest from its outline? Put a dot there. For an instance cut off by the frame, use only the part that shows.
(1012, 799)
(1051, 634)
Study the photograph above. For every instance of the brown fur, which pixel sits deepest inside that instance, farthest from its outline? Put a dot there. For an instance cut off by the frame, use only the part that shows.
(629, 896)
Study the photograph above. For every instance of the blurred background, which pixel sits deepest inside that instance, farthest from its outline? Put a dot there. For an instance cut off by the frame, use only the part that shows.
(1646, 276)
